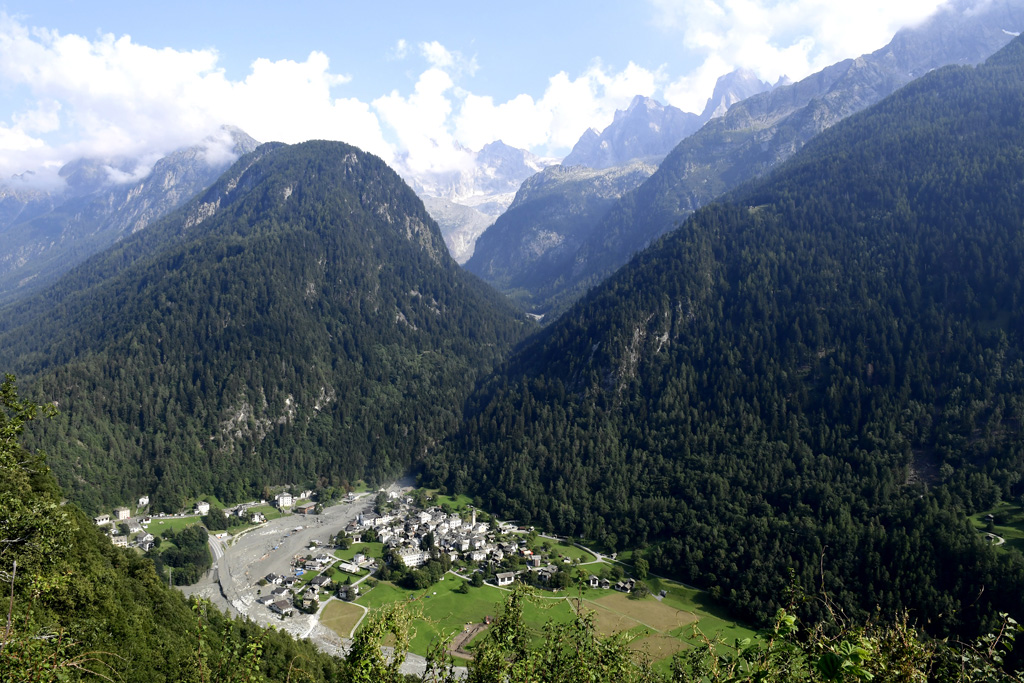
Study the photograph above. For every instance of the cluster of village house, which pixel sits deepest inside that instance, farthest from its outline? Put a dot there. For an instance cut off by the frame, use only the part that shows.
(401, 530)
(137, 525)
(404, 529)
(279, 598)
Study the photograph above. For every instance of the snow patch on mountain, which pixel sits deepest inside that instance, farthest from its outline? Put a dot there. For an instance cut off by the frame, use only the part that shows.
(466, 200)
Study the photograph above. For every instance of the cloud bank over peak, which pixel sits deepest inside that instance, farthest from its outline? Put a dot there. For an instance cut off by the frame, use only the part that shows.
(68, 96)
(775, 38)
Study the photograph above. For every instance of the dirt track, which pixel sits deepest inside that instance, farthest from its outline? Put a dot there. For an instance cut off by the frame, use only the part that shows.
(457, 648)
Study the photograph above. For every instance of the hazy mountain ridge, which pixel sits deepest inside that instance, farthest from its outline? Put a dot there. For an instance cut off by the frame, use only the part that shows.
(528, 248)
(485, 185)
(532, 248)
(756, 134)
(735, 87)
(646, 130)
(46, 233)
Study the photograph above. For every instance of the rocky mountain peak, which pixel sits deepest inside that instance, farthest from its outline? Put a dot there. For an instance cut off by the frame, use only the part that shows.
(732, 88)
(646, 130)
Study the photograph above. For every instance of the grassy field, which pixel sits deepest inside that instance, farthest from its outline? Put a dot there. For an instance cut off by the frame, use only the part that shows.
(440, 610)
(565, 550)
(375, 550)
(659, 628)
(341, 617)
(614, 607)
(269, 511)
(660, 648)
(662, 628)
(712, 619)
(458, 503)
(339, 576)
(161, 525)
(235, 530)
(1009, 524)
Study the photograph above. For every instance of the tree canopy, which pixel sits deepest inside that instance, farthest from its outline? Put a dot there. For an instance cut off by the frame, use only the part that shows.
(823, 373)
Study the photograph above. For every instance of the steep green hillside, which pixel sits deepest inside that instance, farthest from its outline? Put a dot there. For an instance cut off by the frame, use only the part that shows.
(299, 322)
(822, 374)
(75, 604)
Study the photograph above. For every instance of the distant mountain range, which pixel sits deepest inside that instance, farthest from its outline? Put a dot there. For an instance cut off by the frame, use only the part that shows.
(467, 202)
(752, 137)
(531, 247)
(47, 233)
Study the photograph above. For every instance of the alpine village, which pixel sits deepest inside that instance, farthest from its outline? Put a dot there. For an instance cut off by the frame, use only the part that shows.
(740, 400)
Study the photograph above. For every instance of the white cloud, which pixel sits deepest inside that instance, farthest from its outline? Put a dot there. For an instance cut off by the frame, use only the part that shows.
(437, 55)
(440, 57)
(439, 123)
(400, 50)
(420, 122)
(112, 97)
(777, 37)
(45, 118)
(520, 122)
(555, 122)
(17, 140)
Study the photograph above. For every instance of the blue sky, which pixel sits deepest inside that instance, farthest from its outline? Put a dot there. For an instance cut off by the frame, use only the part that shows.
(409, 81)
(517, 44)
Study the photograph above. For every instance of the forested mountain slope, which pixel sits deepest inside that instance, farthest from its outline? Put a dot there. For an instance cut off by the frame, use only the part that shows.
(823, 373)
(757, 134)
(75, 604)
(300, 321)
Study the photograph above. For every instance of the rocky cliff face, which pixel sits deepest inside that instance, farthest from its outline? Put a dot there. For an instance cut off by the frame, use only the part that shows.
(646, 130)
(532, 244)
(461, 225)
(46, 233)
(732, 88)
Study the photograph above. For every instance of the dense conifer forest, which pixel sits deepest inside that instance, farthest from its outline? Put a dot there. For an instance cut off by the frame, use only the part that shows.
(300, 322)
(81, 609)
(822, 373)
